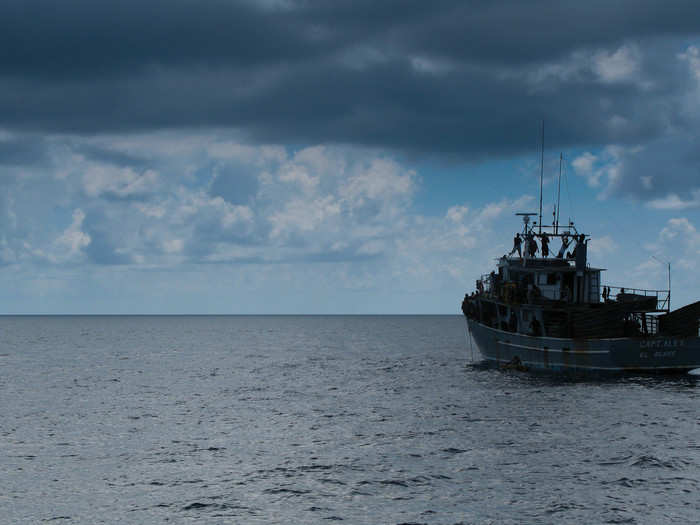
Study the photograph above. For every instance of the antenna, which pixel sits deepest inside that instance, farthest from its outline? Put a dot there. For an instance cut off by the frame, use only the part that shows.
(541, 175)
(556, 222)
(668, 265)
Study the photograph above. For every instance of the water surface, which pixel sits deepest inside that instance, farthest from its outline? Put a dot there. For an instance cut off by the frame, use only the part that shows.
(308, 419)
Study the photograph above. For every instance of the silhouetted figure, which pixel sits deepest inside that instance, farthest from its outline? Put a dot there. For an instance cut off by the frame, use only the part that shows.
(545, 244)
(517, 241)
(579, 246)
(564, 246)
(531, 245)
(535, 327)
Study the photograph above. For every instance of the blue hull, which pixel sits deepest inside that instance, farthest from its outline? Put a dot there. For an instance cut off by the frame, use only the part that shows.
(626, 354)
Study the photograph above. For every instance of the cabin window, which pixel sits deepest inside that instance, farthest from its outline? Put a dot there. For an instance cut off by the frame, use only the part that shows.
(526, 315)
(541, 278)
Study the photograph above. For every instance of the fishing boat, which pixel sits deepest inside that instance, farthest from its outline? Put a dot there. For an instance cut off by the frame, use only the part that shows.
(538, 311)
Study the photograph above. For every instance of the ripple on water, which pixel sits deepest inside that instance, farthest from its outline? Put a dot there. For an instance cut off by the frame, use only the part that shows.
(319, 419)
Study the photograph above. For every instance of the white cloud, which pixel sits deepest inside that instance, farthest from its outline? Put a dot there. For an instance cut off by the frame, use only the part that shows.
(621, 65)
(673, 202)
(71, 242)
(300, 175)
(173, 246)
(382, 180)
(457, 213)
(349, 206)
(677, 242)
(303, 216)
(692, 56)
(606, 170)
(121, 182)
(602, 66)
(156, 211)
(583, 164)
(678, 226)
(257, 155)
(601, 246)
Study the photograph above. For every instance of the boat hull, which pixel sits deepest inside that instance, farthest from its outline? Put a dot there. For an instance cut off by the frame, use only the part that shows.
(628, 354)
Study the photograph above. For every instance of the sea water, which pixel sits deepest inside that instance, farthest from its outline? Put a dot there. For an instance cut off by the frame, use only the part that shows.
(312, 419)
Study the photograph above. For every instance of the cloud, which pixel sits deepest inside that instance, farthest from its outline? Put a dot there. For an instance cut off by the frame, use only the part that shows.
(362, 73)
(583, 165)
(677, 242)
(680, 227)
(73, 240)
(457, 213)
(118, 182)
(22, 150)
(347, 208)
(673, 202)
(663, 172)
(621, 65)
(602, 246)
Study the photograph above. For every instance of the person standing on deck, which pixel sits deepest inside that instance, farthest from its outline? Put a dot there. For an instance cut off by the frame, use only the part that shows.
(532, 245)
(526, 248)
(564, 246)
(517, 241)
(545, 244)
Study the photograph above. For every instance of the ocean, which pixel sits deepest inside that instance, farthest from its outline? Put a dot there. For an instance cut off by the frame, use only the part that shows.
(322, 419)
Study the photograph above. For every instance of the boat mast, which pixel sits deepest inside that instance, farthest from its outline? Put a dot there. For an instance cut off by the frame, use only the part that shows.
(541, 176)
(669, 288)
(556, 221)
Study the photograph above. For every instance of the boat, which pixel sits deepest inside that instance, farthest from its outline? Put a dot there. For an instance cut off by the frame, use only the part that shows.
(539, 311)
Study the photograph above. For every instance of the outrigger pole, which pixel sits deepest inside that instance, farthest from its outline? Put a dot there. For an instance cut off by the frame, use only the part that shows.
(541, 176)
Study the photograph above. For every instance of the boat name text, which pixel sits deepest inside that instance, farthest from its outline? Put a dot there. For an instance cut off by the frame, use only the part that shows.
(662, 353)
(661, 343)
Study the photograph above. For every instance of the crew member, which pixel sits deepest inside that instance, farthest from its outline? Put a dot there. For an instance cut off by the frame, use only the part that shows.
(535, 327)
(545, 244)
(532, 245)
(517, 241)
(564, 246)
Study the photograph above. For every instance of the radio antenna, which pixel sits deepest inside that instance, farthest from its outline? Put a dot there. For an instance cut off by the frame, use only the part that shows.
(541, 176)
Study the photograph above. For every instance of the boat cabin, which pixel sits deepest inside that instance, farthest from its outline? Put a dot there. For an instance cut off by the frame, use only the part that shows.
(553, 279)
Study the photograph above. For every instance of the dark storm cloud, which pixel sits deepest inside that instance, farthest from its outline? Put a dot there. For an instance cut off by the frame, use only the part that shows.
(84, 38)
(110, 156)
(667, 166)
(54, 38)
(446, 77)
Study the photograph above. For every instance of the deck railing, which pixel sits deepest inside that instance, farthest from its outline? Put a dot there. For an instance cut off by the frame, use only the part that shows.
(663, 297)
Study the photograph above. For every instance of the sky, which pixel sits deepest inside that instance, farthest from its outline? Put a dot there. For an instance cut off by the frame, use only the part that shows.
(346, 157)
